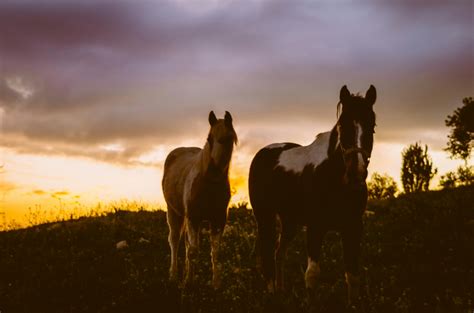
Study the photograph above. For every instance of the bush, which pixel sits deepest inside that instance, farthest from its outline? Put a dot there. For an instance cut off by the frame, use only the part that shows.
(464, 176)
(381, 186)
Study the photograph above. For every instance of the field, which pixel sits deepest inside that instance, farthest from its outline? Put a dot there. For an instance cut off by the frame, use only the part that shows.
(417, 256)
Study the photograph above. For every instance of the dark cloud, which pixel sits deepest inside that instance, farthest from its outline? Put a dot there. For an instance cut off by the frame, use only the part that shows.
(128, 155)
(146, 73)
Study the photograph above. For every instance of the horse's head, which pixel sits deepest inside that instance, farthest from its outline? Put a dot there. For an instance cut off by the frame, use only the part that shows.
(221, 139)
(356, 133)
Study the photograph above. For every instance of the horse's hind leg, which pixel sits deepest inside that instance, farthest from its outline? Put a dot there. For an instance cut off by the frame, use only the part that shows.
(288, 231)
(351, 237)
(175, 224)
(266, 243)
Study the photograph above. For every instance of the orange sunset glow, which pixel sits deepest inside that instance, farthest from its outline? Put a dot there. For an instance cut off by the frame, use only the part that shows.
(94, 95)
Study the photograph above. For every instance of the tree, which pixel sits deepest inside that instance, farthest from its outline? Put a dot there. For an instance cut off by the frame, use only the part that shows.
(417, 168)
(461, 136)
(381, 186)
(463, 176)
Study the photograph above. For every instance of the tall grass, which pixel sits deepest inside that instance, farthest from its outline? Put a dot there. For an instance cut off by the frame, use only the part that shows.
(38, 214)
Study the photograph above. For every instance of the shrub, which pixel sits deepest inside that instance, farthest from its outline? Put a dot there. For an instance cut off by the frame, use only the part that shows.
(381, 186)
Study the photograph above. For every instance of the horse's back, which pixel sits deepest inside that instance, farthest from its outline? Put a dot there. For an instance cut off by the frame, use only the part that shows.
(178, 164)
(179, 155)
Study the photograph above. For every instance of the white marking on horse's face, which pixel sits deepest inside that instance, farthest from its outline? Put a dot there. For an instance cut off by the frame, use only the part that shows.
(296, 159)
(221, 142)
(275, 146)
(312, 273)
(360, 160)
(221, 154)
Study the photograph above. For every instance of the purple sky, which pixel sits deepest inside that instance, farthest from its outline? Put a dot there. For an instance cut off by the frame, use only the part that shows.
(77, 75)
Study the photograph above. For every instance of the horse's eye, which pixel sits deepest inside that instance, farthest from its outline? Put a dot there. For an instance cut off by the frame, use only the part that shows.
(210, 139)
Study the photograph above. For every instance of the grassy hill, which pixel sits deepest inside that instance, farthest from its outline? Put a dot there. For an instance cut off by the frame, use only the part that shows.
(418, 256)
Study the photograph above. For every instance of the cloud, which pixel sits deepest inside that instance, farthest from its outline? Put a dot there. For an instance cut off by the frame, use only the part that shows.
(146, 73)
(130, 155)
(60, 194)
(6, 186)
(56, 194)
(39, 192)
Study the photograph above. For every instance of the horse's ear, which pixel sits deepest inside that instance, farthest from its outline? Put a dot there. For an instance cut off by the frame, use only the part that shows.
(212, 118)
(371, 95)
(344, 95)
(228, 118)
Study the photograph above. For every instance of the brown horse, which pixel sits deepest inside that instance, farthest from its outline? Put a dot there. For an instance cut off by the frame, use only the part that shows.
(196, 189)
(321, 186)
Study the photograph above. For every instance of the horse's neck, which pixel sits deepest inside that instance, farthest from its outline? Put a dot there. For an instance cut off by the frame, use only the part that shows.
(207, 168)
(205, 158)
(334, 147)
(334, 141)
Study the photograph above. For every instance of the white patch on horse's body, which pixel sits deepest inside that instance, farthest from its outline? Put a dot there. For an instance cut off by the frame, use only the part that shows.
(296, 159)
(360, 159)
(188, 185)
(312, 273)
(275, 146)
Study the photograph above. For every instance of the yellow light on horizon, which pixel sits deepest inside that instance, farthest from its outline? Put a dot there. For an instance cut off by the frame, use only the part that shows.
(57, 182)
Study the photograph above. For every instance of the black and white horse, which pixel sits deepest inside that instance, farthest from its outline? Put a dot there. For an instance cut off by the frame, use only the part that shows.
(321, 186)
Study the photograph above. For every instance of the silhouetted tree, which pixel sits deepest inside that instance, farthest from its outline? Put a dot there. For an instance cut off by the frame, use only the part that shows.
(463, 176)
(417, 168)
(462, 130)
(381, 186)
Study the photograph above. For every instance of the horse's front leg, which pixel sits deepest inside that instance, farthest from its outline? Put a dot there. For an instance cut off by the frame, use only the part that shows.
(192, 249)
(216, 236)
(351, 238)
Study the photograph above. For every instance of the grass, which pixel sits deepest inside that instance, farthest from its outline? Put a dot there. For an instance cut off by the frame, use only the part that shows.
(417, 256)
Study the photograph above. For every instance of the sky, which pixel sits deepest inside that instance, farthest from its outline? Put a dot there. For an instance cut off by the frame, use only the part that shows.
(94, 94)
